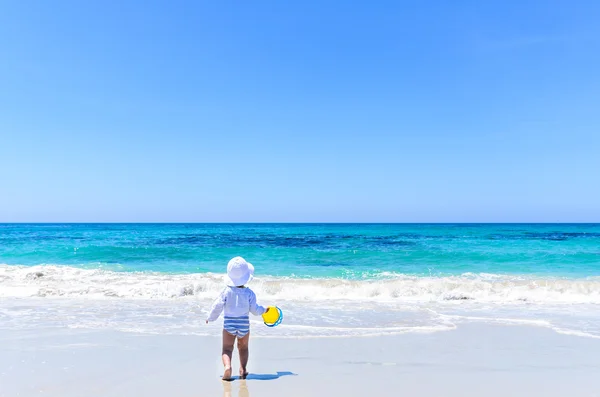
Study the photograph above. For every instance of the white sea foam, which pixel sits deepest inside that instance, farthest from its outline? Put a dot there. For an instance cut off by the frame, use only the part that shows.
(57, 296)
(572, 332)
(67, 282)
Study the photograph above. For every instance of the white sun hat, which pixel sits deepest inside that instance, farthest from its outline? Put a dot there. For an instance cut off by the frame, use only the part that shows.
(239, 272)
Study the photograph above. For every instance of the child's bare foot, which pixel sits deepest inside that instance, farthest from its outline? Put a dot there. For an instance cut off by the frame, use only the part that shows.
(227, 373)
(243, 373)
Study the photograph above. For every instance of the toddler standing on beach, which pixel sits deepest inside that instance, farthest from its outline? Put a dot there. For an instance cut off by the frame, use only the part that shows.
(238, 301)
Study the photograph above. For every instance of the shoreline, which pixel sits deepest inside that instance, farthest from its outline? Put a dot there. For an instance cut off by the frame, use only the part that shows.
(473, 359)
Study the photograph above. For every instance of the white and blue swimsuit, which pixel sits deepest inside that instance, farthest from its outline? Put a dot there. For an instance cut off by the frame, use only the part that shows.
(237, 302)
(237, 326)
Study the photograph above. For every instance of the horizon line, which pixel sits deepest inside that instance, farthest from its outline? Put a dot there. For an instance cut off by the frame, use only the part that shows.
(292, 223)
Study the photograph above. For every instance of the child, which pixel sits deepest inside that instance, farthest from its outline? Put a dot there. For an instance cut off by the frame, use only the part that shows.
(238, 301)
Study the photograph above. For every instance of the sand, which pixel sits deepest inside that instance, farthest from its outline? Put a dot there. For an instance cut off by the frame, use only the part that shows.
(473, 360)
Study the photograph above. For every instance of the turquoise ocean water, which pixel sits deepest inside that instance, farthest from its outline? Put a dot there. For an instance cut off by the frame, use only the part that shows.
(330, 279)
(353, 251)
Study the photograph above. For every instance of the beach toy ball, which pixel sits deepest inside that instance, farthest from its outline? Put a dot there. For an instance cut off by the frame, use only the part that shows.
(273, 316)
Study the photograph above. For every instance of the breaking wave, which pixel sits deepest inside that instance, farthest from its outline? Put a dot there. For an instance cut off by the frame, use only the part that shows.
(66, 282)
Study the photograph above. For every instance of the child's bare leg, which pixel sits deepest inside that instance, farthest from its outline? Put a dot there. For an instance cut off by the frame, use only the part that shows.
(242, 344)
(228, 341)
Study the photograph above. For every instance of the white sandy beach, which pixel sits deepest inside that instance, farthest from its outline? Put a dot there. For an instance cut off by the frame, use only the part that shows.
(472, 360)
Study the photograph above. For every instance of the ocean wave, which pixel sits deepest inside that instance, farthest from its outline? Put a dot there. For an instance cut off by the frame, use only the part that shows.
(67, 281)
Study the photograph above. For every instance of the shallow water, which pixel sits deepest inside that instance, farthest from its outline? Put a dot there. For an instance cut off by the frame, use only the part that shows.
(331, 280)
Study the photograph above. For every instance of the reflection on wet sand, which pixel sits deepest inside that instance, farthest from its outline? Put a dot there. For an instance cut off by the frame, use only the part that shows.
(242, 392)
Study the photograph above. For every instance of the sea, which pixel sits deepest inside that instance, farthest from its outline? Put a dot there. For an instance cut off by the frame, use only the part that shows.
(330, 280)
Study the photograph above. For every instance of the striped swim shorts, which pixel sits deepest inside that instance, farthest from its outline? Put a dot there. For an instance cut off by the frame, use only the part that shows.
(237, 326)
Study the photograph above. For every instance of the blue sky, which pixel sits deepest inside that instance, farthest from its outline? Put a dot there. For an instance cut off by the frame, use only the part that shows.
(312, 111)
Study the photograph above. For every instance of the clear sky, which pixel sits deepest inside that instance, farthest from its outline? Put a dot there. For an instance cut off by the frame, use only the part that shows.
(310, 111)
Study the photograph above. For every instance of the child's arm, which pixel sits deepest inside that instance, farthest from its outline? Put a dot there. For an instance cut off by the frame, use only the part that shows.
(217, 307)
(255, 308)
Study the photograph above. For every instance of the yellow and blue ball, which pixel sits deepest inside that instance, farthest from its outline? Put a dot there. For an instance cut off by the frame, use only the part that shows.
(273, 316)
